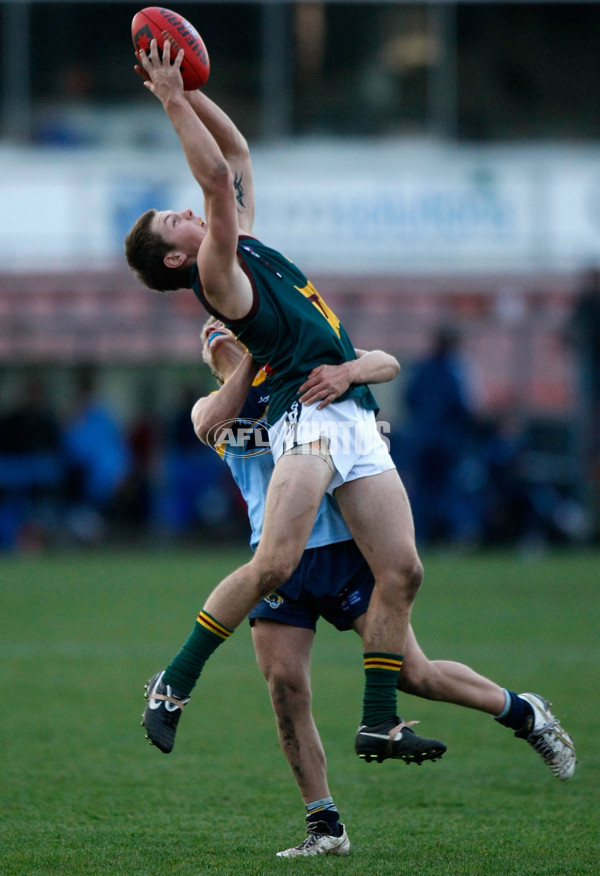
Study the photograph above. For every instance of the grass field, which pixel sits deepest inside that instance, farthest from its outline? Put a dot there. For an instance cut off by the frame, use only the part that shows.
(82, 792)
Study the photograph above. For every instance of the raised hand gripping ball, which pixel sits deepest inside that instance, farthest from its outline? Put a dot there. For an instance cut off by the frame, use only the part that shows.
(156, 22)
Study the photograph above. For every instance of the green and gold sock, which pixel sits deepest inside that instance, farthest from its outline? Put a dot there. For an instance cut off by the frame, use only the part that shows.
(184, 670)
(381, 676)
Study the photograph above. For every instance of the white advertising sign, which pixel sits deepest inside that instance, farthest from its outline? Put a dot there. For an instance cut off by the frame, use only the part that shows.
(449, 211)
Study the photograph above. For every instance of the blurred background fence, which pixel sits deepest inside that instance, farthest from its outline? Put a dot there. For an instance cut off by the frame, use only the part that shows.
(433, 167)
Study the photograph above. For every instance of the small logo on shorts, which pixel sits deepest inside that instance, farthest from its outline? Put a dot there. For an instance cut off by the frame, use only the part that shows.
(351, 599)
(293, 413)
(274, 600)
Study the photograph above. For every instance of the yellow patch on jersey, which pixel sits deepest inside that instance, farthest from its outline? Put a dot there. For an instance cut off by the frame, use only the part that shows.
(313, 296)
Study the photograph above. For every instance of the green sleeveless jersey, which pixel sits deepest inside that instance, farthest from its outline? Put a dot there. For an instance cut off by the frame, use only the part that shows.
(289, 327)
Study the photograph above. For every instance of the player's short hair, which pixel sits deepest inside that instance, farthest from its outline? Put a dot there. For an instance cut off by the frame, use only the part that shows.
(145, 251)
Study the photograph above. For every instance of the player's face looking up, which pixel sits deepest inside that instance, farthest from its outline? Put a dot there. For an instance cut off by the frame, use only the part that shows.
(184, 231)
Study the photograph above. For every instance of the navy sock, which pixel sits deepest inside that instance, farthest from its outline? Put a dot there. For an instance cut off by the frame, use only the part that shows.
(324, 813)
(516, 713)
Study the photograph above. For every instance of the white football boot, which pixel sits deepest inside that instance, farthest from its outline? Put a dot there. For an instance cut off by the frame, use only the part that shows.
(319, 844)
(552, 743)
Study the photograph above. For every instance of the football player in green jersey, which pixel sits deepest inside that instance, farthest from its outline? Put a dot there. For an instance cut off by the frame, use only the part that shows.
(282, 320)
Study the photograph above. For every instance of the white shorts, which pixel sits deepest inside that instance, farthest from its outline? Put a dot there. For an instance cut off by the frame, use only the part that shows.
(356, 447)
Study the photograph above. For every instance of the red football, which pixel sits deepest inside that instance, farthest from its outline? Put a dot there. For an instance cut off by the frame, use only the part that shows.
(155, 22)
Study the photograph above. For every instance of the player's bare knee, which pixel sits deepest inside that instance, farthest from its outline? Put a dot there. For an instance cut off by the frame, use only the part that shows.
(269, 578)
(413, 680)
(414, 577)
(288, 692)
(403, 580)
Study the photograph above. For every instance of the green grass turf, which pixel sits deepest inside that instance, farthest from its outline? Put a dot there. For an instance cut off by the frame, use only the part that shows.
(82, 792)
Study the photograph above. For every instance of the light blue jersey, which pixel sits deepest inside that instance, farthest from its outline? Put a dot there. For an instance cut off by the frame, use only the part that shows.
(252, 471)
(252, 475)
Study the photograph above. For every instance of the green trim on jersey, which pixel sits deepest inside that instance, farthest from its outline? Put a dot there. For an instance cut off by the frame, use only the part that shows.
(289, 328)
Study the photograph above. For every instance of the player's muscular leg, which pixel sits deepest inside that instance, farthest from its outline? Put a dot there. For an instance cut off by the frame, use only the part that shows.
(443, 680)
(298, 484)
(378, 514)
(447, 681)
(283, 654)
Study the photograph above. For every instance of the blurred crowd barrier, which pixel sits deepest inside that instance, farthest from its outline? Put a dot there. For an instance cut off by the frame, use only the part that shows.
(491, 422)
(81, 475)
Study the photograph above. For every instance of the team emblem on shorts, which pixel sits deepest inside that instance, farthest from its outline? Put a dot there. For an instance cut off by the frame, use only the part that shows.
(274, 600)
(350, 599)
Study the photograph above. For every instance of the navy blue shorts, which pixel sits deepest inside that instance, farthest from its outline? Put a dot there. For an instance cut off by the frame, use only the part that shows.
(333, 582)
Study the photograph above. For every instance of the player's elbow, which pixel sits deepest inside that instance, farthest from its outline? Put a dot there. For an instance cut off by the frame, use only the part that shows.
(389, 365)
(220, 180)
(393, 368)
(201, 422)
(203, 433)
(239, 150)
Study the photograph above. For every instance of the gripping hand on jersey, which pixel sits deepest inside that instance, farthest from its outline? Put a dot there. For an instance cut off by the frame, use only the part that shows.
(325, 383)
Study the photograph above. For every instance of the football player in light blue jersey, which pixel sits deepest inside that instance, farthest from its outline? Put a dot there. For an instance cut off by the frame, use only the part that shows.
(332, 581)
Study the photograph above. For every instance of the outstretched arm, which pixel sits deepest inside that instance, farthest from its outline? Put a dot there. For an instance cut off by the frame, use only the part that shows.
(325, 383)
(235, 151)
(231, 142)
(225, 404)
(204, 156)
(226, 286)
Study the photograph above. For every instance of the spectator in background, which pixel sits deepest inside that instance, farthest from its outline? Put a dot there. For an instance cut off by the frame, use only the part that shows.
(440, 405)
(31, 427)
(30, 470)
(98, 461)
(135, 509)
(196, 493)
(583, 334)
(509, 511)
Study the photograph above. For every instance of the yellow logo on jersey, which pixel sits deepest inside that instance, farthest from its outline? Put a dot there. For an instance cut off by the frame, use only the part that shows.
(313, 296)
